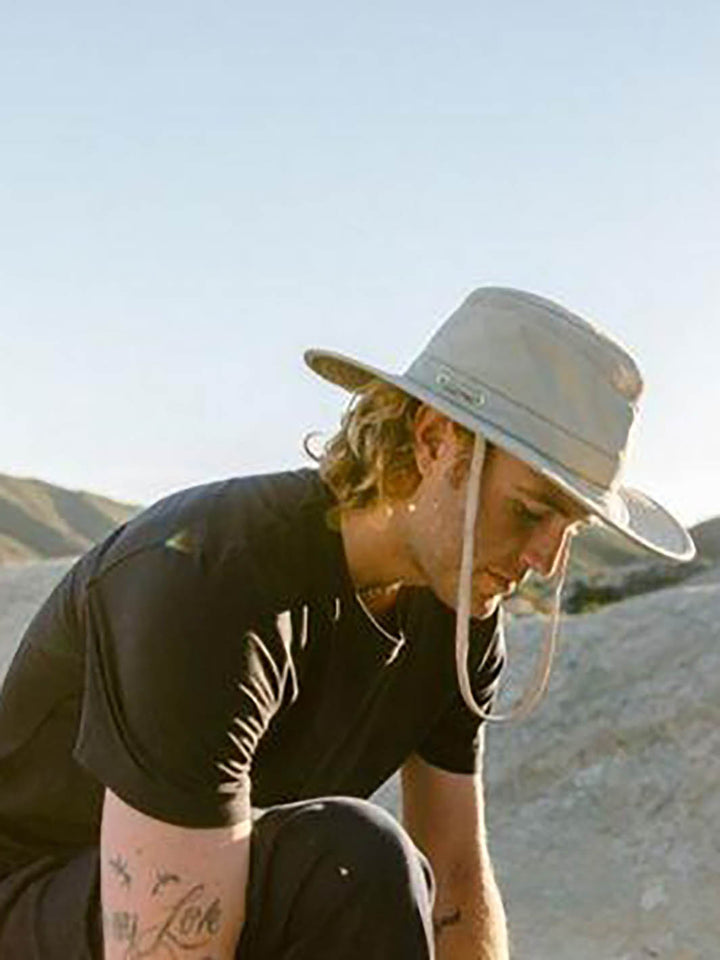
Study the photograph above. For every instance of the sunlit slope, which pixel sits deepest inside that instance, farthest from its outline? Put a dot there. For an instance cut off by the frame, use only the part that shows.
(603, 806)
(39, 520)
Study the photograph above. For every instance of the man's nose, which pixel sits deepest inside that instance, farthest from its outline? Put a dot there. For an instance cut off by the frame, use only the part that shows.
(544, 547)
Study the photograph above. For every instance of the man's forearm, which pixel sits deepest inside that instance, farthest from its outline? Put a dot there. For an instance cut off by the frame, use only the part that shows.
(167, 890)
(469, 920)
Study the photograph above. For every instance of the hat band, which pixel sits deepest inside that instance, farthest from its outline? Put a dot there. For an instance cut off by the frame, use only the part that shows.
(484, 403)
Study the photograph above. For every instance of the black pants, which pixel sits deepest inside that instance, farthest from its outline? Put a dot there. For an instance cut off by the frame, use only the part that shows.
(335, 878)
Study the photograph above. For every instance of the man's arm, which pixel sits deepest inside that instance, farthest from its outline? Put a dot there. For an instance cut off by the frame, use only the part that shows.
(444, 814)
(170, 891)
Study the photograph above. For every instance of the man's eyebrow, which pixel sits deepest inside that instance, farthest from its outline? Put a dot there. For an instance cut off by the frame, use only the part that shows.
(557, 501)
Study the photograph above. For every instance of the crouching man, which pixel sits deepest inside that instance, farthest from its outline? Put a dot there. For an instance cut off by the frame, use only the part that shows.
(195, 717)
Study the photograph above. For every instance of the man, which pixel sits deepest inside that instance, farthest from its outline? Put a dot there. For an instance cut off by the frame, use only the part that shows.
(290, 641)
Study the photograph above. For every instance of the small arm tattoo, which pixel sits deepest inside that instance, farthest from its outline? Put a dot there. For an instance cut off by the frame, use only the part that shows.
(120, 869)
(448, 920)
(163, 880)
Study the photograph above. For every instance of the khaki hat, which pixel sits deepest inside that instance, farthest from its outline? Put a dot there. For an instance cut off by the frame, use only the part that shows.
(546, 386)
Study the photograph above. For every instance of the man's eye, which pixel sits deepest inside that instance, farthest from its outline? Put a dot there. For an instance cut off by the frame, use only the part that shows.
(524, 513)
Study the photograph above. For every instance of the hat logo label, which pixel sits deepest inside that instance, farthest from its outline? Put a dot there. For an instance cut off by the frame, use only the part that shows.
(458, 392)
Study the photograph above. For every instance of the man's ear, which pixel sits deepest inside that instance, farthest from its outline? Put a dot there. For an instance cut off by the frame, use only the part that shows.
(432, 430)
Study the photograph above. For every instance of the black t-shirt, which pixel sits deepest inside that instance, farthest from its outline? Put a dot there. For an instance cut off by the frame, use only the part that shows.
(214, 641)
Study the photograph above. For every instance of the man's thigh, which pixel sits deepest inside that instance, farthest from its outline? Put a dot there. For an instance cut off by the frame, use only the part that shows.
(50, 910)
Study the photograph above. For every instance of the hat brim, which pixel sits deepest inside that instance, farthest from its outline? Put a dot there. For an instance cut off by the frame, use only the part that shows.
(644, 527)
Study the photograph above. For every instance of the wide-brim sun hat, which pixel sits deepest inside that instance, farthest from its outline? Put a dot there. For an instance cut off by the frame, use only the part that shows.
(548, 387)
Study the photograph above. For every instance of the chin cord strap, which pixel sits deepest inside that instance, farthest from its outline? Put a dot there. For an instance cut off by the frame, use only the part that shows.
(541, 674)
(462, 616)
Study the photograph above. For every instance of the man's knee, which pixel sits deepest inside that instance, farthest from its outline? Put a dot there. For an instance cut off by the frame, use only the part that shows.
(349, 845)
(336, 877)
(369, 838)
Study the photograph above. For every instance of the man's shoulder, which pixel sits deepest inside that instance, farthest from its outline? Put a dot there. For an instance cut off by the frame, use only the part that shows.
(225, 508)
(268, 526)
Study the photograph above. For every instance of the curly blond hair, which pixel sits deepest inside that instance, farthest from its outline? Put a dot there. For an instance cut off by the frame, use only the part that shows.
(372, 456)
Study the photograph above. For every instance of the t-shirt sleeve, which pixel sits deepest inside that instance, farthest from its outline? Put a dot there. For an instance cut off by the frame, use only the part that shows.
(182, 678)
(453, 741)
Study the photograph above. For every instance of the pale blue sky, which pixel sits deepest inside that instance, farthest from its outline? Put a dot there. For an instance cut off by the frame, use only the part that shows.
(192, 193)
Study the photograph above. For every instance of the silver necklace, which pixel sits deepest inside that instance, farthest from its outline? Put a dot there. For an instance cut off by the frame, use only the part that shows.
(362, 596)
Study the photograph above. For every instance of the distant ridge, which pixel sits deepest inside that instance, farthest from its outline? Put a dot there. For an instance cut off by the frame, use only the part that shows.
(39, 520)
(707, 538)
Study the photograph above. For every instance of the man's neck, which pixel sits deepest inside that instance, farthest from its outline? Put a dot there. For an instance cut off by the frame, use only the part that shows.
(376, 552)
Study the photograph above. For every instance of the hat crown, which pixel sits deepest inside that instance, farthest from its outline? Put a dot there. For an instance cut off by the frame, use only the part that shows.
(528, 361)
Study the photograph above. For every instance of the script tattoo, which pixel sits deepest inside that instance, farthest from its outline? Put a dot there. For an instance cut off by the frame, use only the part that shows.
(120, 869)
(189, 925)
(163, 879)
(449, 920)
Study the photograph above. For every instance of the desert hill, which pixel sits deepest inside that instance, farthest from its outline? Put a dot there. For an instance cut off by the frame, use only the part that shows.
(707, 538)
(603, 806)
(605, 569)
(39, 520)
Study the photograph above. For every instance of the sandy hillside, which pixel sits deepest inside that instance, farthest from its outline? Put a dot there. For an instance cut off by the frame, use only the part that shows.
(40, 520)
(603, 807)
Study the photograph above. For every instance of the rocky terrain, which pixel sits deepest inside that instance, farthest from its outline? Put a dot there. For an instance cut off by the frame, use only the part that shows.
(604, 805)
